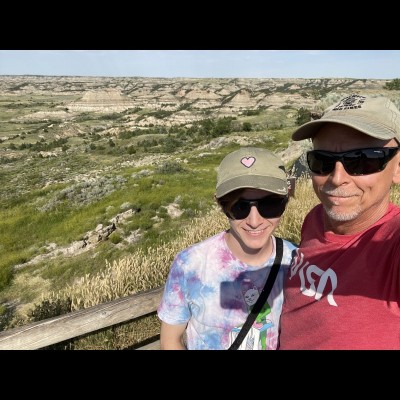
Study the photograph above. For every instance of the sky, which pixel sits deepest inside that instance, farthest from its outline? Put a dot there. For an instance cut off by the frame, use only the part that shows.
(361, 64)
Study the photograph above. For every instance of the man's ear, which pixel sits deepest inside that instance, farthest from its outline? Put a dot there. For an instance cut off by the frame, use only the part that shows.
(396, 172)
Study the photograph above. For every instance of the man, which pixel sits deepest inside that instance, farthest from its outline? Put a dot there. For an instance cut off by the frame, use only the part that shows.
(343, 287)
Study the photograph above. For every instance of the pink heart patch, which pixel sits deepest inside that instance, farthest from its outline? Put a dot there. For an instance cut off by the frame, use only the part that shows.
(248, 161)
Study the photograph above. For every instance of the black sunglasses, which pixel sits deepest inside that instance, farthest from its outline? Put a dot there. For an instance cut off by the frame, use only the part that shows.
(355, 162)
(268, 207)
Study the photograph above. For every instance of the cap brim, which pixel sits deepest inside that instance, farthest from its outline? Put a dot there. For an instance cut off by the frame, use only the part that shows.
(269, 184)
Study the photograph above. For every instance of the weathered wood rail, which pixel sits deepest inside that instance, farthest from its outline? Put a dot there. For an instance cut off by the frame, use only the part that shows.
(58, 329)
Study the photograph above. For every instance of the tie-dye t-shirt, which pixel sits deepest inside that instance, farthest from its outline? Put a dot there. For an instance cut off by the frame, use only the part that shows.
(213, 292)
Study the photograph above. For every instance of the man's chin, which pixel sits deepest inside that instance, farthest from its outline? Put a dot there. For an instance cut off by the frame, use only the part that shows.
(339, 215)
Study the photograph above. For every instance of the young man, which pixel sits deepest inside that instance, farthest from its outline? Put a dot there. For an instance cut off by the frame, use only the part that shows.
(343, 287)
(213, 285)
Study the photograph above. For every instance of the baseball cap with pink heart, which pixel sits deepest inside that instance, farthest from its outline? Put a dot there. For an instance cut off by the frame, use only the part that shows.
(251, 167)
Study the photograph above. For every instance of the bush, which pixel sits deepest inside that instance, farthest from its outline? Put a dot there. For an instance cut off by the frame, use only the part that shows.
(170, 167)
(246, 126)
(394, 85)
(303, 116)
(6, 275)
(6, 317)
(115, 238)
(131, 150)
(49, 309)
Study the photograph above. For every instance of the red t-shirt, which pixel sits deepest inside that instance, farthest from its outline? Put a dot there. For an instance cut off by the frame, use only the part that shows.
(343, 291)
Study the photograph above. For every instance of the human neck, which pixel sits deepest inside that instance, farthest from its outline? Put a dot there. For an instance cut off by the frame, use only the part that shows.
(248, 255)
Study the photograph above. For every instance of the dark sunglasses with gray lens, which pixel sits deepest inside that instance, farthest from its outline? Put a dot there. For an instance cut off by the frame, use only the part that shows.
(268, 207)
(355, 162)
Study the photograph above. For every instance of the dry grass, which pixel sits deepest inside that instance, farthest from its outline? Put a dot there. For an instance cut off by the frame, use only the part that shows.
(297, 208)
(141, 270)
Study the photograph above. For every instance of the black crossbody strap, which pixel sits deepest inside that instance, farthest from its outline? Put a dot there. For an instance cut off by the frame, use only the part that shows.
(262, 298)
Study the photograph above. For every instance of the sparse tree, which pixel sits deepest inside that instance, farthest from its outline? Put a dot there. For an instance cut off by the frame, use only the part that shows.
(393, 85)
(303, 116)
(247, 127)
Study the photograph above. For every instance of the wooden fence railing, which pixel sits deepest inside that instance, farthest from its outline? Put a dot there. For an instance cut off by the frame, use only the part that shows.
(55, 330)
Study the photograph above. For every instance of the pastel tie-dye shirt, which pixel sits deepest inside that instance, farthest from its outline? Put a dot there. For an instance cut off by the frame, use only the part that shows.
(213, 292)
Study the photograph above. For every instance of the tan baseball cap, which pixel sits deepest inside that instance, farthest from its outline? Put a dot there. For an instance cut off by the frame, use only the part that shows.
(251, 167)
(375, 116)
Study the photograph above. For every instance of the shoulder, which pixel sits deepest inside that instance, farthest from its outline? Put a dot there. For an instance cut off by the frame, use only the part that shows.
(389, 225)
(210, 242)
(289, 251)
(287, 245)
(394, 210)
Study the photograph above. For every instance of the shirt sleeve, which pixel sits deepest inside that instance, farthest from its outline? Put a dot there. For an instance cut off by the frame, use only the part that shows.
(174, 307)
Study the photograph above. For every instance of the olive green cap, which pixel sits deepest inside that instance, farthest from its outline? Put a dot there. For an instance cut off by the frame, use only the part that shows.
(251, 167)
(375, 116)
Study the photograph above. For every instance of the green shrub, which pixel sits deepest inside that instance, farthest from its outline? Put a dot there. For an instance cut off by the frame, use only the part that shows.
(50, 308)
(170, 167)
(6, 275)
(115, 238)
(131, 150)
(6, 317)
(303, 116)
(393, 85)
(247, 127)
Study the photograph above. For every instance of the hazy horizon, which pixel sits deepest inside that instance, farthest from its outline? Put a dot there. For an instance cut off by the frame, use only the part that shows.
(198, 64)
